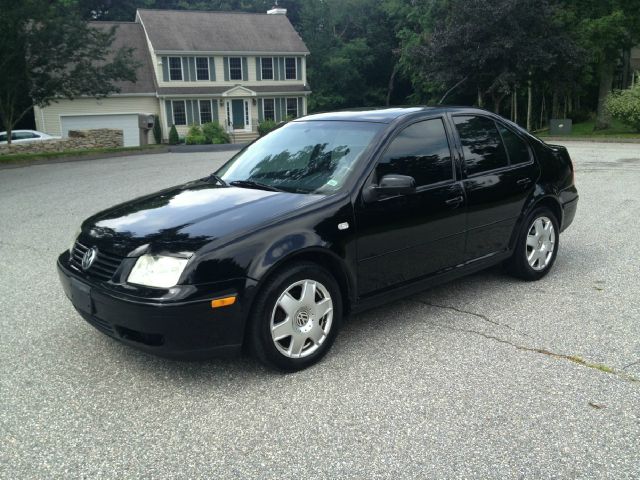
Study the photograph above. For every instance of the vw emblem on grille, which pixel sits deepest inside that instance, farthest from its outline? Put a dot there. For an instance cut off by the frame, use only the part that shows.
(88, 258)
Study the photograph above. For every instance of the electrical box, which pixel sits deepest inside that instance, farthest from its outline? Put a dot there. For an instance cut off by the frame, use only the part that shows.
(560, 126)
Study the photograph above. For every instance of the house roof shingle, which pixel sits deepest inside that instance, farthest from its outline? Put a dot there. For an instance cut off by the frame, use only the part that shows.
(129, 34)
(203, 31)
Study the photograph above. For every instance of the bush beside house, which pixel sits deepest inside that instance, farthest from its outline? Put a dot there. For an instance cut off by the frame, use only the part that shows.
(207, 134)
(174, 139)
(157, 130)
(266, 126)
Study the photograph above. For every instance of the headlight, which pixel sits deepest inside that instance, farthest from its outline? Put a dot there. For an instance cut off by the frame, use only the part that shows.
(157, 271)
(74, 239)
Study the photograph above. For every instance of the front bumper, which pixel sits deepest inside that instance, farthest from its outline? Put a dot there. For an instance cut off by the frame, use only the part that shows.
(179, 329)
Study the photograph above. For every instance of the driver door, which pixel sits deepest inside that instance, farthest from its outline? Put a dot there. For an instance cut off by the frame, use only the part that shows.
(402, 238)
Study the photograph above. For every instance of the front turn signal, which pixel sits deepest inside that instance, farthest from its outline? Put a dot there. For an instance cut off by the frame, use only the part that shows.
(223, 302)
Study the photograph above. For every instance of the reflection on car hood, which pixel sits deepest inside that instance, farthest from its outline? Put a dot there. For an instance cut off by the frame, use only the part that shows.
(186, 217)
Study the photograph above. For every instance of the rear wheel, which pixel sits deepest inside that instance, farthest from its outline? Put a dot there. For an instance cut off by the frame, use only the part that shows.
(296, 317)
(536, 247)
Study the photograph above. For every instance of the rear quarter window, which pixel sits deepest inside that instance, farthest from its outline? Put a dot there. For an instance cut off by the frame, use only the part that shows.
(516, 147)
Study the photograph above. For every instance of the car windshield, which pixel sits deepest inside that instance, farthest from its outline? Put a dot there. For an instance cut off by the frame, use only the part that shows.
(302, 157)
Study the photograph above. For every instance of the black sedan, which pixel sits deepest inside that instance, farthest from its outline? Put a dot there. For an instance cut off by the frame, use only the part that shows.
(326, 216)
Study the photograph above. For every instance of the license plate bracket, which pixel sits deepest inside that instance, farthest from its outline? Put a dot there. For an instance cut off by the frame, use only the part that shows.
(81, 296)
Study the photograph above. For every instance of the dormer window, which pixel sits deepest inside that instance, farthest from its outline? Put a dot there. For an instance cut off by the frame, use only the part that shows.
(267, 68)
(175, 68)
(290, 68)
(235, 68)
(202, 68)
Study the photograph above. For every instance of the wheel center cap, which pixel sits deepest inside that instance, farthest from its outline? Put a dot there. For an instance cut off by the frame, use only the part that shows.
(303, 320)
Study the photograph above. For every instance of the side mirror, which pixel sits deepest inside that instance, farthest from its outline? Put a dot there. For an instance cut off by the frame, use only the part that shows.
(391, 185)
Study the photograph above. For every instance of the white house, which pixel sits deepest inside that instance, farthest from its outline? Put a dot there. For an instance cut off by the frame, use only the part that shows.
(196, 66)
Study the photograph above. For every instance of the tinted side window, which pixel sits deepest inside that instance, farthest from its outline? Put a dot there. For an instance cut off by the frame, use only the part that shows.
(3, 138)
(517, 148)
(481, 142)
(421, 151)
(23, 135)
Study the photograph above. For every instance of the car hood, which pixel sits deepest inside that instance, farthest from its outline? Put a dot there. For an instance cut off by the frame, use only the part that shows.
(186, 217)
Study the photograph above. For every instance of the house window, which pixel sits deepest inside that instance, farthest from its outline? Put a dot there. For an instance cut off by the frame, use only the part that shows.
(235, 68)
(267, 68)
(205, 111)
(292, 107)
(202, 68)
(290, 68)
(269, 109)
(179, 113)
(175, 68)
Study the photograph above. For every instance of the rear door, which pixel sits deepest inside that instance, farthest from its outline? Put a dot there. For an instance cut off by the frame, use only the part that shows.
(499, 174)
(405, 237)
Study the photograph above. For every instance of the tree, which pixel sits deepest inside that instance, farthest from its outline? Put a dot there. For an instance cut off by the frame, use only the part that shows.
(488, 47)
(49, 52)
(606, 28)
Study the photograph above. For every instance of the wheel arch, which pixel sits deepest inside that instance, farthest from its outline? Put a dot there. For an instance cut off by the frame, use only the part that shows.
(549, 201)
(322, 257)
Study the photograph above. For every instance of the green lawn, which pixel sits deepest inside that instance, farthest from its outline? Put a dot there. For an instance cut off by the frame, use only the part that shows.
(23, 157)
(585, 130)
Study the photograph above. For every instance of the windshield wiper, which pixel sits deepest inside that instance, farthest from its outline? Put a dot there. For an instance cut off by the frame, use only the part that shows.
(252, 184)
(216, 178)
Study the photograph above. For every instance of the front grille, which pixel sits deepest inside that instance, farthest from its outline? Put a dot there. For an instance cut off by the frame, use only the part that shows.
(104, 266)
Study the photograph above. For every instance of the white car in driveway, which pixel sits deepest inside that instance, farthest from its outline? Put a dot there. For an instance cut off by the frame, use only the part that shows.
(23, 136)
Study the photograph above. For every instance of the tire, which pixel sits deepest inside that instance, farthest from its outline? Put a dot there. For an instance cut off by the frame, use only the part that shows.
(289, 329)
(536, 246)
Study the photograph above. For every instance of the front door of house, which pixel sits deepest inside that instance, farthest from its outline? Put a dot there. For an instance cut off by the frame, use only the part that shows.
(237, 112)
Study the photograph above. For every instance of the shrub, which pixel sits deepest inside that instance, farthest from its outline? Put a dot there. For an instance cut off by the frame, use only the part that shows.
(624, 105)
(266, 126)
(195, 136)
(157, 131)
(174, 139)
(214, 133)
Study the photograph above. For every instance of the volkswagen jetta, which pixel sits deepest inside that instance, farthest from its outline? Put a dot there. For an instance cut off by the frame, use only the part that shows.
(326, 216)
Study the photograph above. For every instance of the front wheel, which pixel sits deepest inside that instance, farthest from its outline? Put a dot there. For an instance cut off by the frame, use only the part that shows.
(296, 317)
(536, 247)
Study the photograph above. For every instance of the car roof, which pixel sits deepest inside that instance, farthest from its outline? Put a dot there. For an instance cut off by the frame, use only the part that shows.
(385, 115)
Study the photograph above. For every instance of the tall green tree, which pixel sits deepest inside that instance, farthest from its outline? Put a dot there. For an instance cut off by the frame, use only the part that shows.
(489, 46)
(49, 52)
(606, 28)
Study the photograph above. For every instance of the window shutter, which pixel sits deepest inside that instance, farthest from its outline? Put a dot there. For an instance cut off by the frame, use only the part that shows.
(169, 113)
(225, 60)
(281, 64)
(260, 111)
(299, 68)
(279, 115)
(245, 69)
(192, 69)
(212, 69)
(165, 69)
(300, 112)
(189, 112)
(214, 111)
(276, 70)
(258, 68)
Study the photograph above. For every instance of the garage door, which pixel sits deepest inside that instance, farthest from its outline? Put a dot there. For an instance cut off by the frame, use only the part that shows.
(128, 123)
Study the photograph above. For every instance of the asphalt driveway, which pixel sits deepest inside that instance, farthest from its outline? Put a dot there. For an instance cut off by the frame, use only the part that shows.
(485, 377)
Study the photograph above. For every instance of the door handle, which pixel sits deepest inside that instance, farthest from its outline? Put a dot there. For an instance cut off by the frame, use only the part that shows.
(524, 182)
(455, 200)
